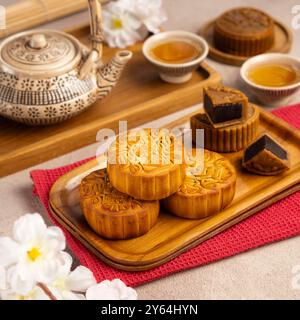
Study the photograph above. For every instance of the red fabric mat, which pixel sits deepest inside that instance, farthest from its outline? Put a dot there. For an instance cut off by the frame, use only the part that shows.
(277, 222)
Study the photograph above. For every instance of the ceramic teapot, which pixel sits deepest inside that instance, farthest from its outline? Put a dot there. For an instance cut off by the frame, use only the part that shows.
(47, 76)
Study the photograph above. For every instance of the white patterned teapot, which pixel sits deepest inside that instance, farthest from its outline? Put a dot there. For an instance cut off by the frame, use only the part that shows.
(47, 76)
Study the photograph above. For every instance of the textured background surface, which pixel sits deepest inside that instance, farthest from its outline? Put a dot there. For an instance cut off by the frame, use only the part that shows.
(264, 273)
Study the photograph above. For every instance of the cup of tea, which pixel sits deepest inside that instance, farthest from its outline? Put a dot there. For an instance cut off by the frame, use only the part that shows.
(272, 78)
(175, 54)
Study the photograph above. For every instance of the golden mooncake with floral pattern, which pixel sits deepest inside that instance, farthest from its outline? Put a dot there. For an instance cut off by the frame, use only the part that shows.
(112, 214)
(209, 187)
(146, 164)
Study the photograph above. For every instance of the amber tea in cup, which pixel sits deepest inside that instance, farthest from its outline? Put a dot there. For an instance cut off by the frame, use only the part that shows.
(273, 75)
(175, 54)
(175, 51)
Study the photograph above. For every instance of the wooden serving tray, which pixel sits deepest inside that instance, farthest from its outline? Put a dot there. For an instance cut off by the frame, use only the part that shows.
(282, 43)
(139, 97)
(173, 235)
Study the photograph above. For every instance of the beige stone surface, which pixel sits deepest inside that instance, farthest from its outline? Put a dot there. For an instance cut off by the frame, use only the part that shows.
(263, 273)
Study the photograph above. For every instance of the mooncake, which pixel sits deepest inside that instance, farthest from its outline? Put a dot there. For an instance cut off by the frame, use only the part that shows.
(265, 156)
(112, 214)
(225, 106)
(148, 166)
(244, 32)
(227, 139)
(207, 189)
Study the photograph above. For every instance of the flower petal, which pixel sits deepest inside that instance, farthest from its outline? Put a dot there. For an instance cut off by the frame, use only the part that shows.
(46, 270)
(150, 13)
(102, 291)
(9, 251)
(38, 294)
(68, 295)
(8, 295)
(54, 240)
(35, 294)
(30, 227)
(65, 265)
(125, 293)
(111, 290)
(2, 278)
(80, 279)
(18, 283)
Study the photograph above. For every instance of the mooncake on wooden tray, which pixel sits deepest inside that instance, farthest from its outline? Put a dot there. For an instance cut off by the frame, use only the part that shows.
(244, 32)
(227, 139)
(150, 174)
(173, 235)
(112, 214)
(266, 157)
(209, 187)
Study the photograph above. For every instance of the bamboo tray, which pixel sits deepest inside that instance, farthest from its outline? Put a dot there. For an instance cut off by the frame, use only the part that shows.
(173, 235)
(282, 43)
(139, 97)
(40, 12)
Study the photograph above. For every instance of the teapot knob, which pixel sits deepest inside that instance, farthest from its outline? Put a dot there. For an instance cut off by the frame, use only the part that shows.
(38, 41)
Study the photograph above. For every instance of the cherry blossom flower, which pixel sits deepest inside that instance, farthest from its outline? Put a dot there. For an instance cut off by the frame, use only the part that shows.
(149, 13)
(129, 21)
(119, 26)
(33, 266)
(33, 255)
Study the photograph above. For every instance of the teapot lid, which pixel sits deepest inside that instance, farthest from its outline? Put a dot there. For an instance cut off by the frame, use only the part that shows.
(43, 53)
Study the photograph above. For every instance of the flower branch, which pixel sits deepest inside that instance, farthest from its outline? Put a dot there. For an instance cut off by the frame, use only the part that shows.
(47, 291)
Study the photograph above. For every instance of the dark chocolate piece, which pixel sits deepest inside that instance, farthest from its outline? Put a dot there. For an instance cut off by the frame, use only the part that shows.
(265, 156)
(225, 106)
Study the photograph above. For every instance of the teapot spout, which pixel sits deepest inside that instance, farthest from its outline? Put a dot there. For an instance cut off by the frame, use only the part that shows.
(109, 74)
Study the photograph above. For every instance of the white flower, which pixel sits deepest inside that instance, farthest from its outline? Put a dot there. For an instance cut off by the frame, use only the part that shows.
(111, 290)
(119, 26)
(34, 294)
(34, 267)
(33, 255)
(2, 278)
(128, 21)
(148, 12)
(68, 284)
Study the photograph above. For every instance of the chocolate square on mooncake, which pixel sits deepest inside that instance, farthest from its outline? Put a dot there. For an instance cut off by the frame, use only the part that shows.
(265, 156)
(225, 106)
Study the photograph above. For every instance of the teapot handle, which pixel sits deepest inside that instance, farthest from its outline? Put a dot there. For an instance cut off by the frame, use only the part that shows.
(96, 37)
(96, 25)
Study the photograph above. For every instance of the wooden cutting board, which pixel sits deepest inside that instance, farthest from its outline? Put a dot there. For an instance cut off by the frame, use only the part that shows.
(139, 97)
(173, 235)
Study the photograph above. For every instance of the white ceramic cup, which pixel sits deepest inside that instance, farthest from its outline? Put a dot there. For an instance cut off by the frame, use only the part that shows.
(175, 72)
(272, 96)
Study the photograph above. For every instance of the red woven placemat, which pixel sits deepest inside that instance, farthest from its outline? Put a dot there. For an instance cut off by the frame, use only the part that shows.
(277, 222)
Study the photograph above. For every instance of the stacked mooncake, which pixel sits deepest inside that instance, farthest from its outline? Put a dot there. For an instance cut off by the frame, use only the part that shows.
(229, 121)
